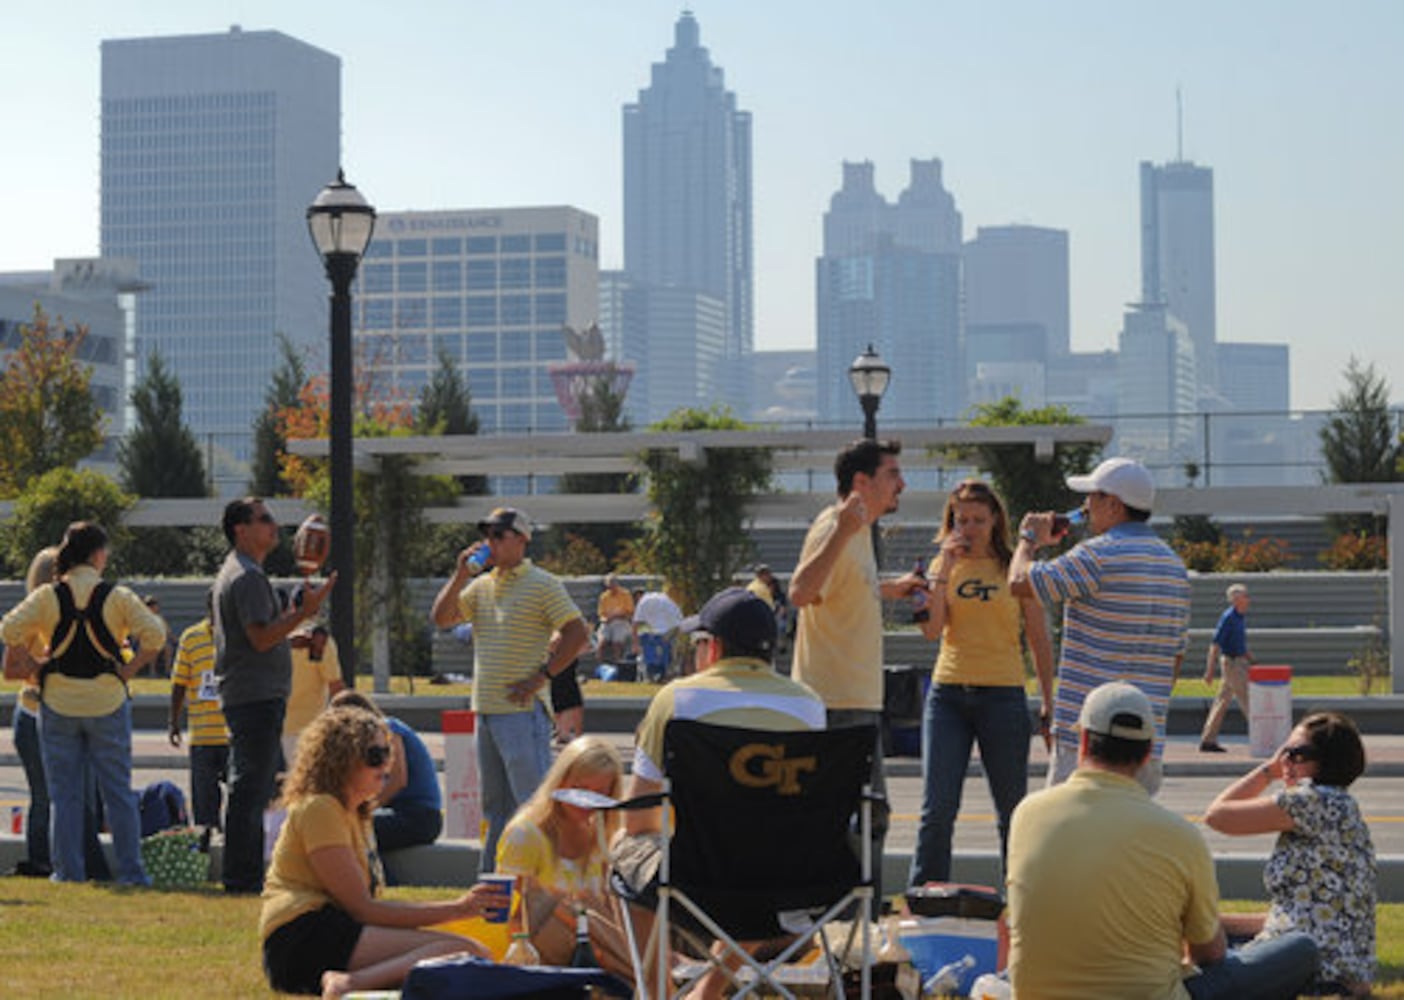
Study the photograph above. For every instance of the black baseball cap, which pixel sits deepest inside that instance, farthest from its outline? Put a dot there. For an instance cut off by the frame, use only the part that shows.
(741, 620)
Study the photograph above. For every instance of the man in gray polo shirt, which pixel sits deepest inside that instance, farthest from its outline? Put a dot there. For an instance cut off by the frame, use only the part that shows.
(253, 665)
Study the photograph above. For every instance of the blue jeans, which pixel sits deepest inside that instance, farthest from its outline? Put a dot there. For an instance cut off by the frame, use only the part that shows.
(1280, 967)
(407, 826)
(255, 754)
(955, 718)
(36, 831)
(209, 767)
(514, 753)
(104, 745)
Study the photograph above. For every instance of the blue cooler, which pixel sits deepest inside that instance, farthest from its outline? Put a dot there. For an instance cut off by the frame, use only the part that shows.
(935, 942)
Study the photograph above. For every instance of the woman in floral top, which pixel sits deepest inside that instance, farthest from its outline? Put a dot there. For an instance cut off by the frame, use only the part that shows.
(1321, 875)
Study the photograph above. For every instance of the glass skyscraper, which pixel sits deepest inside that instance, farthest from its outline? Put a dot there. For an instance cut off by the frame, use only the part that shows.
(687, 203)
(212, 148)
(1177, 254)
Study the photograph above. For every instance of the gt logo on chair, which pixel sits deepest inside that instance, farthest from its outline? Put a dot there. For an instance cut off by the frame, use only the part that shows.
(760, 765)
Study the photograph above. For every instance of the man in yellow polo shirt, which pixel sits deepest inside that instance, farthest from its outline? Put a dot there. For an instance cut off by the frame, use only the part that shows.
(1108, 889)
(836, 588)
(195, 689)
(514, 609)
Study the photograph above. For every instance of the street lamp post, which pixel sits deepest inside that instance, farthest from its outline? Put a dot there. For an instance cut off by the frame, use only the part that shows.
(341, 223)
(869, 376)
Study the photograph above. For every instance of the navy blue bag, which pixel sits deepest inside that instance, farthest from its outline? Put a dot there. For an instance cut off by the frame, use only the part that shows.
(162, 807)
(467, 976)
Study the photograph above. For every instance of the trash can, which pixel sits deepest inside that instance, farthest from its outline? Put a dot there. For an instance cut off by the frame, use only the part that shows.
(463, 803)
(1269, 708)
(903, 703)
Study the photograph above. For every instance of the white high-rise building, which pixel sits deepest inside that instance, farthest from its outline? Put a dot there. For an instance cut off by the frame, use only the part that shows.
(687, 200)
(489, 288)
(1019, 275)
(213, 146)
(1177, 254)
(1157, 390)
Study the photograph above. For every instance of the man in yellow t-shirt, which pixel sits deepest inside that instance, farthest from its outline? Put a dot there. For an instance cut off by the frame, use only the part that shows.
(615, 611)
(1108, 889)
(316, 678)
(193, 672)
(839, 595)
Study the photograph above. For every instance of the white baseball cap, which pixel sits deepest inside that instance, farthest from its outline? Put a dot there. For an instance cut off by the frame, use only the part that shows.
(1124, 478)
(1118, 709)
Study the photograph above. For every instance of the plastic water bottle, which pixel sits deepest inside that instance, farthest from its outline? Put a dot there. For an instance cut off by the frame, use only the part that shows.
(1071, 521)
(947, 979)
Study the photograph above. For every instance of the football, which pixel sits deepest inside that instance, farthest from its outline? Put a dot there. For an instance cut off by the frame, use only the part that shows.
(311, 544)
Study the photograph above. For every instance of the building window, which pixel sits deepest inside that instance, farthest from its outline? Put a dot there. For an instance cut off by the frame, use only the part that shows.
(516, 382)
(448, 313)
(412, 314)
(448, 246)
(414, 277)
(482, 244)
(448, 276)
(550, 344)
(482, 310)
(378, 278)
(414, 349)
(482, 383)
(379, 314)
(412, 248)
(482, 276)
(481, 348)
(550, 308)
(516, 244)
(516, 310)
(516, 272)
(550, 242)
(516, 346)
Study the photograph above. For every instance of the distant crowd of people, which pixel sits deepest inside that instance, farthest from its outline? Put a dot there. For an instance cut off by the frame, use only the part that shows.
(1109, 893)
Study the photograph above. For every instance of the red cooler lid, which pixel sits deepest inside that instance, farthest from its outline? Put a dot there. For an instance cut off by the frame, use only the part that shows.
(457, 721)
(1263, 674)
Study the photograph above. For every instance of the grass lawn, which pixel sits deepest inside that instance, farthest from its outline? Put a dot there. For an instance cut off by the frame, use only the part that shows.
(93, 941)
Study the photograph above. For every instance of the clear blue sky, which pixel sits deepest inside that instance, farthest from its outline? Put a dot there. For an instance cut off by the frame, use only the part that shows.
(1040, 111)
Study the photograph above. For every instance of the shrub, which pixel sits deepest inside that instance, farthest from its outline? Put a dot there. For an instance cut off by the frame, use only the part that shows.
(1224, 556)
(1356, 551)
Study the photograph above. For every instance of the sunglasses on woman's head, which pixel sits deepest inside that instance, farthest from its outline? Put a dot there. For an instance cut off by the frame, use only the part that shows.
(1298, 754)
(376, 756)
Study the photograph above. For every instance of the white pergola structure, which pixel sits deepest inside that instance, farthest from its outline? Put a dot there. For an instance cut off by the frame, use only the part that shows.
(556, 454)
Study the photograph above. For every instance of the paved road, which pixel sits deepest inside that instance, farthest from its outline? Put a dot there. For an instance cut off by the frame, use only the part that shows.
(1192, 780)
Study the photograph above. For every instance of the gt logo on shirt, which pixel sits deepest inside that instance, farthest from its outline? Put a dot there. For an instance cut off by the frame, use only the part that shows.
(760, 765)
(973, 589)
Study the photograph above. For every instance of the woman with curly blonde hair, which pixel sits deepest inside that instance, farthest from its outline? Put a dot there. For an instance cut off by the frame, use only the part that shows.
(323, 929)
(558, 849)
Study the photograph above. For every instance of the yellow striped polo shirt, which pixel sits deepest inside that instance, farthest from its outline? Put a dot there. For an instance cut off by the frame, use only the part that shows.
(194, 670)
(513, 613)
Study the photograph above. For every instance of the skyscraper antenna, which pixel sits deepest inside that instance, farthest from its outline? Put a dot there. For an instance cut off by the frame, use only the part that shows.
(1179, 127)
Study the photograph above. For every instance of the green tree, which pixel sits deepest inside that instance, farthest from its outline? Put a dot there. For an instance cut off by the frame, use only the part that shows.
(159, 456)
(270, 442)
(446, 407)
(696, 536)
(1025, 482)
(601, 412)
(1360, 440)
(57, 498)
(48, 416)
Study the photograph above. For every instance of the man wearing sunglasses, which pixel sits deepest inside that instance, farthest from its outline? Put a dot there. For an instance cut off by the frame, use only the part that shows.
(514, 607)
(253, 668)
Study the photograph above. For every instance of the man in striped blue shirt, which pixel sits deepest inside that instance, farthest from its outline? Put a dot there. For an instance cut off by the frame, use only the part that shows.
(1126, 604)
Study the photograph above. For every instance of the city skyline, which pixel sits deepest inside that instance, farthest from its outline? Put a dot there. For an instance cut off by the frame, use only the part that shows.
(1040, 115)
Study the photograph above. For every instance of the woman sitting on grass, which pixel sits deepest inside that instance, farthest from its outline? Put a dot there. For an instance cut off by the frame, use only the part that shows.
(1321, 874)
(323, 929)
(560, 850)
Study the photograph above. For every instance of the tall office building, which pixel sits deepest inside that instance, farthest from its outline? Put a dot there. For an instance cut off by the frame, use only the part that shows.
(213, 146)
(1177, 253)
(687, 197)
(489, 288)
(1157, 389)
(890, 277)
(1018, 275)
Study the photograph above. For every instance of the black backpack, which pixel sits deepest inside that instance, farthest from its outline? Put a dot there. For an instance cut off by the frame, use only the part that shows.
(82, 646)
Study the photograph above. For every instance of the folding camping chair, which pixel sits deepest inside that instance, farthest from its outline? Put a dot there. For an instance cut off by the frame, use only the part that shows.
(759, 846)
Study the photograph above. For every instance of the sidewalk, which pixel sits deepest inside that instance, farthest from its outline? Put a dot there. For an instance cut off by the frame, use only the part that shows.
(1385, 753)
